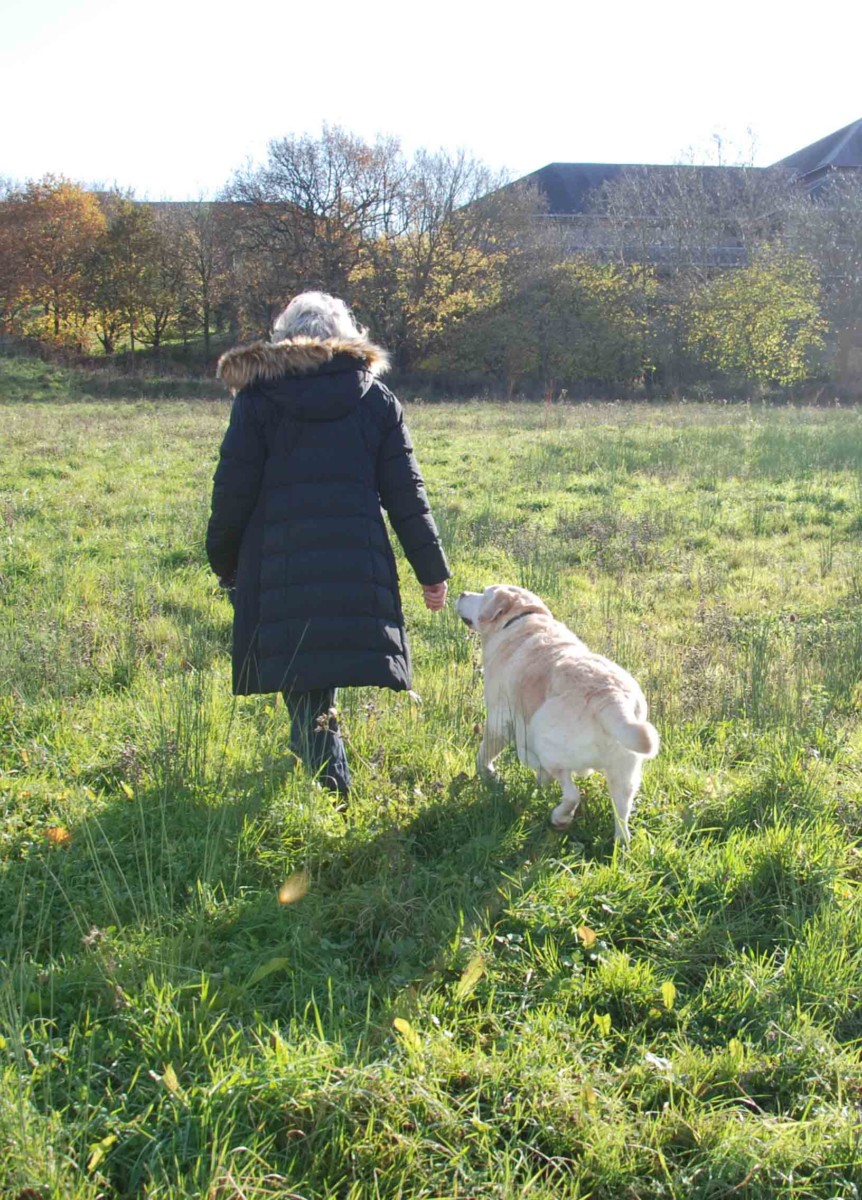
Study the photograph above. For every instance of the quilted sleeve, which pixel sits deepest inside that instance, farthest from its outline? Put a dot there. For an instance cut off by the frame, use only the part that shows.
(235, 486)
(402, 494)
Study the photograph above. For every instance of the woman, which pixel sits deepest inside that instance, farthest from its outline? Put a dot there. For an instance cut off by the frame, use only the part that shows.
(314, 446)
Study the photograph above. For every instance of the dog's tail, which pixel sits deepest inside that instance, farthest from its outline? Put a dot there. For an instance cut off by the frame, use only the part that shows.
(639, 736)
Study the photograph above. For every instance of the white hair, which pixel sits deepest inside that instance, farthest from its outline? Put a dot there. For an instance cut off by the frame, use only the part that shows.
(316, 315)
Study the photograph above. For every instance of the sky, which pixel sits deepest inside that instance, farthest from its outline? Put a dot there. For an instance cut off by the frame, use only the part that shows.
(170, 97)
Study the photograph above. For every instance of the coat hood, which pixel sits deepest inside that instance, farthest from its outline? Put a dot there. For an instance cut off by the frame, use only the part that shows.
(266, 362)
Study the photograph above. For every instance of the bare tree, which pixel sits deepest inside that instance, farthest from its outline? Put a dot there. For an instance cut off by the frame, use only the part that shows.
(688, 218)
(164, 282)
(314, 203)
(206, 255)
(411, 244)
(454, 235)
(826, 228)
(683, 225)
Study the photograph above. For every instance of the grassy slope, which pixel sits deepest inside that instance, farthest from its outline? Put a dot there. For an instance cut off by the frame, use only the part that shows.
(461, 1003)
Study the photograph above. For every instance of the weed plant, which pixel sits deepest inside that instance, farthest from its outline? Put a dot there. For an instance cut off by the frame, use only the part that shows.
(212, 984)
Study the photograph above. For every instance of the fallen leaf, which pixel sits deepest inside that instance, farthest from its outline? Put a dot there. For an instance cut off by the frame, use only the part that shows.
(98, 1151)
(668, 994)
(58, 835)
(602, 1022)
(588, 936)
(267, 968)
(409, 1035)
(470, 976)
(293, 889)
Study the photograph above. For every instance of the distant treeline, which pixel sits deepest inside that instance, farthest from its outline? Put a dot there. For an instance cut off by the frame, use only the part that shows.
(456, 272)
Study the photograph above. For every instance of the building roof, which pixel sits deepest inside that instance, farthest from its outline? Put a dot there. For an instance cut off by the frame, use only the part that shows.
(841, 149)
(568, 185)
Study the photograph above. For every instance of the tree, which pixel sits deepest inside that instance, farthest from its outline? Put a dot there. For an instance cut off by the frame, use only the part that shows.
(104, 295)
(12, 241)
(826, 229)
(205, 250)
(124, 265)
(458, 235)
(691, 219)
(567, 323)
(164, 281)
(686, 225)
(54, 226)
(413, 246)
(310, 208)
(762, 322)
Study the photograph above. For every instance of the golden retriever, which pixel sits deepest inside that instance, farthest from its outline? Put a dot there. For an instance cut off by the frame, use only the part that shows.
(566, 709)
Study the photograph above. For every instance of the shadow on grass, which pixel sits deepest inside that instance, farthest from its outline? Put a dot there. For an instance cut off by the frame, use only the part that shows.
(160, 924)
(29, 380)
(183, 889)
(179, 888)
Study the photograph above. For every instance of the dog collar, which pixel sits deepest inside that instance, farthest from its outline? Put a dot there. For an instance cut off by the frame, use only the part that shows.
(517, 618)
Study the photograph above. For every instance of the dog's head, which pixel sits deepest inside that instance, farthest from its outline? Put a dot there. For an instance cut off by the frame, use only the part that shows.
(492, 610)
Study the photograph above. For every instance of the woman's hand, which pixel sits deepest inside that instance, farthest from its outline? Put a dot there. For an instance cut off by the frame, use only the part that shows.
(435, 595)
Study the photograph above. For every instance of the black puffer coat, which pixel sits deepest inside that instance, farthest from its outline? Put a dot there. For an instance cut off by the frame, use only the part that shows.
(315, 445)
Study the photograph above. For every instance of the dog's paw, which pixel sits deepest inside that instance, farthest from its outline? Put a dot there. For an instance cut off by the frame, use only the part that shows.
(561, 821)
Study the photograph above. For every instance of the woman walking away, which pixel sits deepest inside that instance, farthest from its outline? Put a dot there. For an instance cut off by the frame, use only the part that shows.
(314, 446)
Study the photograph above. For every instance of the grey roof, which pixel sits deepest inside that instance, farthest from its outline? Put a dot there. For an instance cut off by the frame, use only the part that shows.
(840, 149)
(567, 186)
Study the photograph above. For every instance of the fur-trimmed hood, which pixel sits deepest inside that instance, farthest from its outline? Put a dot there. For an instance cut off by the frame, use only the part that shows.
(268, 361)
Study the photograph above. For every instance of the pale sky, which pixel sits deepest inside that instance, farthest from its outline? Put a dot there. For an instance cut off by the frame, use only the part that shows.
(170, 96)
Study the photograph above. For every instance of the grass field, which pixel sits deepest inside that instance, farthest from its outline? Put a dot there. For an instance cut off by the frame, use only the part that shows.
(214, 985)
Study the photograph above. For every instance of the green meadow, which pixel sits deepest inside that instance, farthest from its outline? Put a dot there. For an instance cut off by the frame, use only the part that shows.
(213, 984)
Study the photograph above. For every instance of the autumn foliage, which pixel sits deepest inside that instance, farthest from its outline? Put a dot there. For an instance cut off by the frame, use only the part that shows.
(455, 272)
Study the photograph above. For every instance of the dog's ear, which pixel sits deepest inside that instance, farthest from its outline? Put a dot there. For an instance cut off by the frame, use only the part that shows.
(497, 604)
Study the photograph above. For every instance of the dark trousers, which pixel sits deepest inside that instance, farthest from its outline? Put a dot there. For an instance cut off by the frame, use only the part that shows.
(314, 737)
